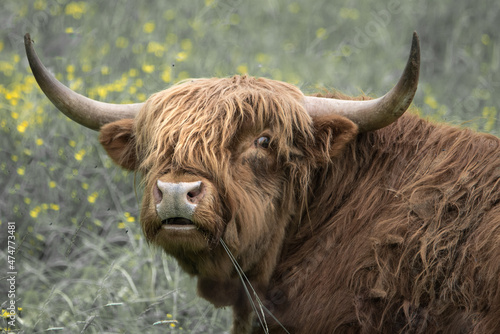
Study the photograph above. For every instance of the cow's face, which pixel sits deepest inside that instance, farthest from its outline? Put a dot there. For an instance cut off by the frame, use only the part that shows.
(224, 158)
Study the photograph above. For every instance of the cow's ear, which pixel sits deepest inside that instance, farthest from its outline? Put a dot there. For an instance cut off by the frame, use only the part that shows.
(332, 134)
(118, 140)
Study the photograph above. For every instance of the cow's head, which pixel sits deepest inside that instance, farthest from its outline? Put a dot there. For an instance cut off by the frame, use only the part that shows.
(227, 158)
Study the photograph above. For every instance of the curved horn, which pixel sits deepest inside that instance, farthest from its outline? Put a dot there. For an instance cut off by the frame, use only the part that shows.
(371, 115)
(81, 109)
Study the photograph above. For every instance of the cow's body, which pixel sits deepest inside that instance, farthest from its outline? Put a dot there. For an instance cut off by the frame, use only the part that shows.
(341, 218)
(403, 235)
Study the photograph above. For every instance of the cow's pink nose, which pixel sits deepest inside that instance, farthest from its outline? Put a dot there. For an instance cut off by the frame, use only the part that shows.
(177, 199)
(191, 191)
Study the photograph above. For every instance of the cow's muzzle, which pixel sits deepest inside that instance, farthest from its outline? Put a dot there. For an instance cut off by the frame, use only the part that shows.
(176, 202)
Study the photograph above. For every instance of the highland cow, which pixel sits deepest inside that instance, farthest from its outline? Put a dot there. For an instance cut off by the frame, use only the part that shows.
(321, 214)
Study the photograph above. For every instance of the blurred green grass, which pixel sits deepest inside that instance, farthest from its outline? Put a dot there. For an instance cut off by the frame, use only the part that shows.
(83, 264)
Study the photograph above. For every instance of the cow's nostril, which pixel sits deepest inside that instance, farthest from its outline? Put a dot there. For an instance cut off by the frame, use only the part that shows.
(157, 194)
(196, 194)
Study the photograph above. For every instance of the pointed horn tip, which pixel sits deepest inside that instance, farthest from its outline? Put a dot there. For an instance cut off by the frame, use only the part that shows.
(87, 112)
(415, 36)
(372, 117)
(410, 75)
(415, 47)
(27, 39)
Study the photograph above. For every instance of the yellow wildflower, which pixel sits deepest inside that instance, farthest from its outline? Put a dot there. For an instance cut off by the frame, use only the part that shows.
(22, 127)
(181, 56)
(156, 48)
(148, 68)
(80, 154)
(102, 91)
(34, 212)
(349, 13)
(76, 9)
(321, 33)
(165, 75)
(242, 69)
(6, 68)
(149, 27)
(431, 102)
(92, 197)
(76, 85)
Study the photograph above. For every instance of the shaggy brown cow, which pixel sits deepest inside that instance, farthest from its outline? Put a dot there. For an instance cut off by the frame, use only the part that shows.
(326, 215)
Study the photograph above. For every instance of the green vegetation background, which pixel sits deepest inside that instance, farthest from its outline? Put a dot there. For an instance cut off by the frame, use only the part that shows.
(82, 263)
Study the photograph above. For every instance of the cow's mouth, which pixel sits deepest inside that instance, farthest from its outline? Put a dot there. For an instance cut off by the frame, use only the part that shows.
(178, 223)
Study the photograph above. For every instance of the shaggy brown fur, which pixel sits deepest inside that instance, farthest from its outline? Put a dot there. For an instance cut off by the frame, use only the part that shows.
(397, 230)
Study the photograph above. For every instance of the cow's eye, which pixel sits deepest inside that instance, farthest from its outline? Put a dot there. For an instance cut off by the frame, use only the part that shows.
(262, 142)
